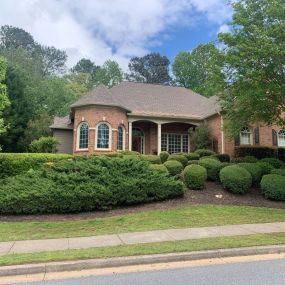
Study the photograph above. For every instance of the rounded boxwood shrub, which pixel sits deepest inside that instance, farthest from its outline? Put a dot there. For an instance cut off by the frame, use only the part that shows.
(280, 171)
(194, 176)
(193, 162)
(128, 152)
(225, 164)
(275, 162)
(204, 152)
(254, 170)
(246, 159)
(265, 167)
(159, 167)
(179, 157)
(273, 187)
(210, 156)
(192, 156)
(154, 159)
(164, 156)
(174, 167)
(223, 157)
(235, 179)
(212, 166)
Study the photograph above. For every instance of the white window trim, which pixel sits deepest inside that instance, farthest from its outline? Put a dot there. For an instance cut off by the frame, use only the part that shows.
(179, 134)
(110, 137)
(278, 140)
(250, 138)
(78, 137)
(124, 137)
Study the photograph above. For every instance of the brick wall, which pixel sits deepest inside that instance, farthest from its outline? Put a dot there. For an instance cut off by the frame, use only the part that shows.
(95, 115)
(214, 124)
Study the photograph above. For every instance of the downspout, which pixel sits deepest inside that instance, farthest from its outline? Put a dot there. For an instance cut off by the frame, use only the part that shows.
(222, 133)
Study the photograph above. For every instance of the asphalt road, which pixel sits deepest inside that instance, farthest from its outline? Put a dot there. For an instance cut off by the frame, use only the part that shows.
(247, 273)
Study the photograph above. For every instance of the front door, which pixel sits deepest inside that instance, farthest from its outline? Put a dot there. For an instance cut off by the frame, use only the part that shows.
(138, 140)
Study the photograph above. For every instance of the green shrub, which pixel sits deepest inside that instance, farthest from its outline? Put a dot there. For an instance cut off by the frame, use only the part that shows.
(16, 163)
(128, 152)
(223, 157)
(273, 187)
(224, 164)
(275, 162)
(179, 157)
(86, 184)
(280, 171)
(265, 167)
(210, 156)
(194, 176)
(193, 162)
(235, 179)
(164, 156)
(212, 166)
(154, 159)
(245, 159)
(159, 167)
(44, 145)
(257, 151)
(204, 152)
(281, 153)
(192, 156)
(174, 167)
(254, 170)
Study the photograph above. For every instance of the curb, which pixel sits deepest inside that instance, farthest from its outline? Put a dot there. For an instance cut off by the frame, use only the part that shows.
(136, 260)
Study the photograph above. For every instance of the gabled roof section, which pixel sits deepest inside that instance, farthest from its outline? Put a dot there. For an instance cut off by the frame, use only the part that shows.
(63, 123)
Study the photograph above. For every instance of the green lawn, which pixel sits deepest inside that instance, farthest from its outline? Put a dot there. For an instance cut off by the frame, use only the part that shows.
(151, 248)
(194, 216)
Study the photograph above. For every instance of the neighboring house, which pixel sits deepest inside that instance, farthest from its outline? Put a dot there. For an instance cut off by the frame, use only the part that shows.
(149, 118)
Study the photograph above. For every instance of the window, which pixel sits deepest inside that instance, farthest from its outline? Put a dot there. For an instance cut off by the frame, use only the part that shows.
(120, 139)
(246, 136)
(281, 138)
(83, 136)
(103, 136)
(174, 143)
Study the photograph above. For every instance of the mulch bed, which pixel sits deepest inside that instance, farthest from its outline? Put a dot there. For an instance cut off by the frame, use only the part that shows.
(213, 194)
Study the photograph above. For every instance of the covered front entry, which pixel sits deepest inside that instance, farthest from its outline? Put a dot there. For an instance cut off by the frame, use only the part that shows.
(151, 137)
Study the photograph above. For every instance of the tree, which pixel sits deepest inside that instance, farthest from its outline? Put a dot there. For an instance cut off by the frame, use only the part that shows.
(85, 65)
(200, 70)
(151, 68)
(44, 145)
(109, 74)
(4, 102)
(200, 138)
(255, 61)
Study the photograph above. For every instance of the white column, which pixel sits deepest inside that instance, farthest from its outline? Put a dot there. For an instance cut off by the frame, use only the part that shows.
(130, 135)
(158, 138)
(222, 134)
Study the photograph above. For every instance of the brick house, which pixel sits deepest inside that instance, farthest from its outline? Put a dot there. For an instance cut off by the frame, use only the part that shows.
(149, 118)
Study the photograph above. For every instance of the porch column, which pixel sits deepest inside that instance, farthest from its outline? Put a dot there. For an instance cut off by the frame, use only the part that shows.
(130, 135)
(158, 138)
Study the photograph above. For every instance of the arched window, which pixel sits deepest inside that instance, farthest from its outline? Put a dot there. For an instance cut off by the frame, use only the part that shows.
(281, 138)
(103, 136)
(120, 138)
(83, 136)
(246, 136)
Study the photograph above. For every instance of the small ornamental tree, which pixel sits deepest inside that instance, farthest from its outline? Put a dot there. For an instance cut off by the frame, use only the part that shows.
(44, 145)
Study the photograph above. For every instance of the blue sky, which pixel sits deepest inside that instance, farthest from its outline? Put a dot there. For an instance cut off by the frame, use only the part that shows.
(118, 29)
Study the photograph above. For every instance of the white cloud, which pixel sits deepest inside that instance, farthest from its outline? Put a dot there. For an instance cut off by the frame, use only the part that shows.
(105, 29)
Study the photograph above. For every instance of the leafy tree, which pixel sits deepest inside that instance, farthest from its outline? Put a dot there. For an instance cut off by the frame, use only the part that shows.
(109, 74)
(4, 102)
(200, 69)
(151, 68)
(85, 65)
(255, 61)
(200, 138)
(44, 145)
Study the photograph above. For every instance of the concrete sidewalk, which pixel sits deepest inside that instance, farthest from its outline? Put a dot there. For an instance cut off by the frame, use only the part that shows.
(138, 238)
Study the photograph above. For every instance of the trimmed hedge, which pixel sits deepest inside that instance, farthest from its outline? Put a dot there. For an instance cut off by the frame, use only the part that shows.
(265, 167)
(164, 156)
(213, 167)
(223, 157)
(204, 152)
(281, 153)
(159, 167)
(16, 163)
(254, 170)
(235, 179)
(86, 184)
(273, 187)
(194, 176)
(179, 157)
(174, 167)
(256, 151)
(193, 162)
(280, 171)
(246, 159)
(154, 159)
(191, 156)
(128, 152)
(275, 162)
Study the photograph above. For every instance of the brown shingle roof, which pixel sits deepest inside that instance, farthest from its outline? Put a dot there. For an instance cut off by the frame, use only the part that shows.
(62, 123)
